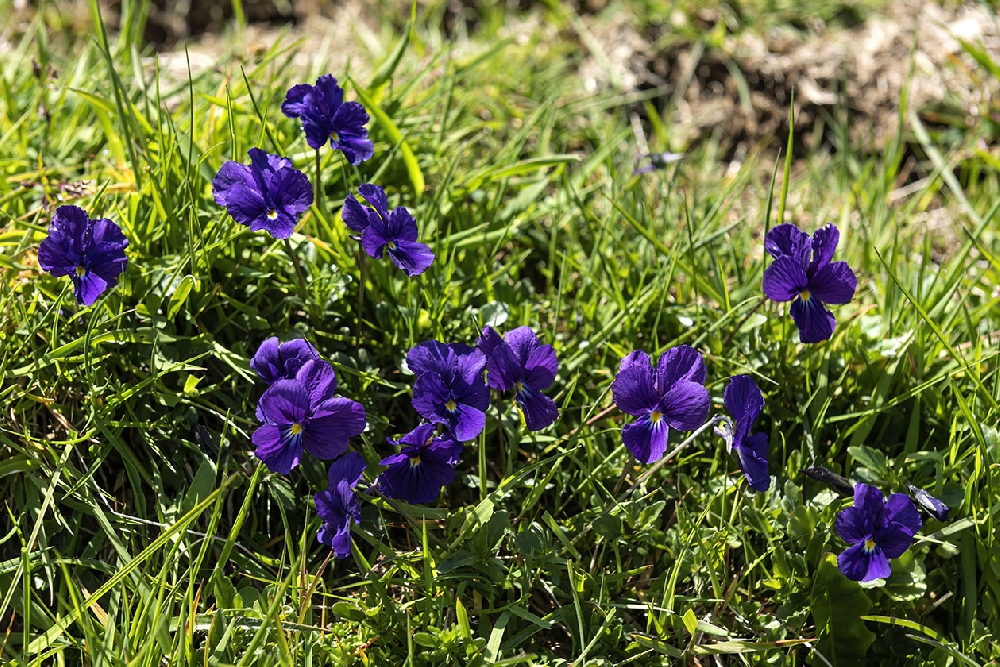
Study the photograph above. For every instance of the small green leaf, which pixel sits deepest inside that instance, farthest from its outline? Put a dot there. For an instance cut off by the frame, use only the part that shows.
(180, 295)
(690, 621)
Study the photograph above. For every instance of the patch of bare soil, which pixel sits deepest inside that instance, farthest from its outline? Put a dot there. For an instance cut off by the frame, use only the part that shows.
(741, 92)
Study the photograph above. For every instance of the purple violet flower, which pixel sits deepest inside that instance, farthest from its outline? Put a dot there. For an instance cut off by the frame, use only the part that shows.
(877, 531)
(656, 161)
(672, 396)
(744, 402)
(803, 273)
(268, 195)
(382, 229)
(338, 506)
(90, 252)
(450, 389)
(425, 464)
(275, 361)
(518, 361)
(301, 413)
(327, 117)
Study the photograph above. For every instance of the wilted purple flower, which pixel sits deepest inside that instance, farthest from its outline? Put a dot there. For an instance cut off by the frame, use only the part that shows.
(90, 252)
(877, 531)
(929, 503)
(744, 402)
(268, 194)
(672, 396)
(381, 229)
(425, 463)
(299, 413)
(450, 389)
(275, 361)
(518, 361)
(657, 161)
(338, 506)
(802, 271)
(838, 483)
(327, 117)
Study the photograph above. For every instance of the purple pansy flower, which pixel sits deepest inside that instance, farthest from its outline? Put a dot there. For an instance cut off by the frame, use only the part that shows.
(744, 402)
(90, 252)
(338, 506)
(267, 194)
(425, 463)
(301, 414)
(803, 273)
(877, 531)
(327, 117)
(672, 396)
(275, 361)
(381, 229)
(518, 361)
(450, 389)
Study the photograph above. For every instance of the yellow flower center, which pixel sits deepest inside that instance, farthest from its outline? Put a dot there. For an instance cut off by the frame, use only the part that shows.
(334, 136)
(450, 405)
(869, 544)
(804, 295)
(520, 386)
(296, 429)
(392, 245)
(415, 461)
(655, 416)
(80, 271)
(272, 214)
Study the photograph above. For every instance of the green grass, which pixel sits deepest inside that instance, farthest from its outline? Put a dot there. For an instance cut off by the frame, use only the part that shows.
(140, 529)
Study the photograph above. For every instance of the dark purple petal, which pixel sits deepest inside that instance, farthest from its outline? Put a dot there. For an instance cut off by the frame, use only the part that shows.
(432, 356)
(279, 453)
(854, 562)
(540, 411)
(645, 439)
(71, 221)
(355, 215)
(814, 321)
(349, 134)
(787, 240)
(290, 190)
(319, 378)
(752, 455)
(445, 448)
(295, 100)
(633, 390)
(785, 279)
(248, 206)
(522, 342)
(679, 363)
(285, 402)
(334, 422)
(273, 361)
(328, 95)
(58, 256)
(338, 507)
(88, 287)
(349, 467)
(853, 525)
(901, 511)
(375, 237)
(430, 393)
(278, 223)
(834, 283)
(893, 540)
(636, 358)
(878, 566)
(471, 362)
(466, 422)
(316, 126)
(375, 196)
(744, 402)
(416, 480)
(230, 175)
(685, 405)
(412, 257)
(401, 226)
(502, 370)
(824, 244)
(105, 235)
(418, 437)
(489, 340)
(869, 500)
(263, 162)
(542, 366)
(473, 394)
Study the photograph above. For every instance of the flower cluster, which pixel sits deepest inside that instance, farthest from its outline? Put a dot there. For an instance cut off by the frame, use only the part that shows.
(877, 530)
(90, 252)
(394, 231)
(269, 194)
(327, 117)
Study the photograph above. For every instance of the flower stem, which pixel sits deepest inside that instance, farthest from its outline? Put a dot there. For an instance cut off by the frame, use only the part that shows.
(304, 293)
(361, 287)
(318, 188)
(646, 475)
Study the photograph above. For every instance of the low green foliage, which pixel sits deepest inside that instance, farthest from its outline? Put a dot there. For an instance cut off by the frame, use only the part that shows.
(140, 529)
